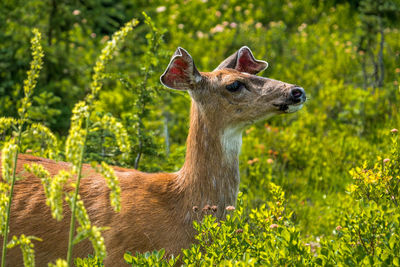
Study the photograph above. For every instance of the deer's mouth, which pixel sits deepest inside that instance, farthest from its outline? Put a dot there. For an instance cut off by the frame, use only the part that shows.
(294, 108)
(290, 107)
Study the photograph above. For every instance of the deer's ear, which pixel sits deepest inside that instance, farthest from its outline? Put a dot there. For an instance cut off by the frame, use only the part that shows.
(181, 73)
(243, 61)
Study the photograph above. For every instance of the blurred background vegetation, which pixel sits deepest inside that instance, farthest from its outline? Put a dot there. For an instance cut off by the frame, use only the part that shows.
(346, 54)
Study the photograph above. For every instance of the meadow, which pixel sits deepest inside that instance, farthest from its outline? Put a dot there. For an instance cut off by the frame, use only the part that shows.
(318, 187)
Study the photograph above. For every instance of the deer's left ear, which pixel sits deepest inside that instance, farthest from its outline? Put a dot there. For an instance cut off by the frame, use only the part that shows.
(181, 73)
(243, 61)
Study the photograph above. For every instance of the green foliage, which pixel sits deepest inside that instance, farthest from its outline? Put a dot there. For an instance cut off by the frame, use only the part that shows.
(345, 55)
(148, 259)
(26, 245)
(9, 157)
(74, 152)
(369, 231)
(75, 147)
(265, 236)
(90, 261)
(59, 263)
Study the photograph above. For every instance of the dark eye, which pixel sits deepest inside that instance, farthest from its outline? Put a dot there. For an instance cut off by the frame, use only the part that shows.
(234, 87)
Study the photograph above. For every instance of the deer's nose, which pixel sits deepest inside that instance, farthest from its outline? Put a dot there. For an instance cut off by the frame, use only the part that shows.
(298, 94)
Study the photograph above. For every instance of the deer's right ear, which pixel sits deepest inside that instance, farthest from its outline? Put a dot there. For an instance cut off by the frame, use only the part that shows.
(181, 73)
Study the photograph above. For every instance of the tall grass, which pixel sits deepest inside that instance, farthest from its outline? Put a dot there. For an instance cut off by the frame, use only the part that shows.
(81, 125)
(10, 156)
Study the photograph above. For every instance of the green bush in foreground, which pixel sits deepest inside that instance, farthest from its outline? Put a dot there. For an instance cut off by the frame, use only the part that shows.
(265, 236)
(370, 231)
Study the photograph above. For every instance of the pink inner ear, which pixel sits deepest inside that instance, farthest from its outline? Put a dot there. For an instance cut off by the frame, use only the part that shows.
(247, 64)
(181, 63)
(177, 72)
(178, 67)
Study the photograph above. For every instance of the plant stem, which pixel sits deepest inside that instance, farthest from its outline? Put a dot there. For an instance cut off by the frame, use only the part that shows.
(73, 206)
(10, 197)
(142, 101)
(380, 54)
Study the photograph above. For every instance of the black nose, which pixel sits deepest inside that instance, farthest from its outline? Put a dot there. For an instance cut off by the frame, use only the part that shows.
(298, 94)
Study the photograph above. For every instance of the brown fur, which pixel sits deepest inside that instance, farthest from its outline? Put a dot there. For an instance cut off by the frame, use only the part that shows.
(157, 208)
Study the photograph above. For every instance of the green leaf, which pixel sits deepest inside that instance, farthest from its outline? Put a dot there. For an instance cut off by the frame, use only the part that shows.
(128, 257)
(392, 241)
(285, 234)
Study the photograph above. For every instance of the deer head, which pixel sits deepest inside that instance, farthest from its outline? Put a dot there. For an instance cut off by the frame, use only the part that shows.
(232, 94)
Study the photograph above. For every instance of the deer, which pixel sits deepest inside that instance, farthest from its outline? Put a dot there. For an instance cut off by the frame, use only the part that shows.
(158, 209)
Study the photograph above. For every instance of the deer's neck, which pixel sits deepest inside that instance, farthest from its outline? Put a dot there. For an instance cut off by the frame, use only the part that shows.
(210, 174)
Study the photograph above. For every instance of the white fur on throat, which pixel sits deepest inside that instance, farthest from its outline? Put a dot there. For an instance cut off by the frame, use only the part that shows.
(231, 141)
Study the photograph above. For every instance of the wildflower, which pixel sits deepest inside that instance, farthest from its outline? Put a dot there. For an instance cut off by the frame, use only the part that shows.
(200, 34)
(195, 209)
(338, 228)
(93, 35)
(397, 70)
(394, 131)
(274, 225)
(258, 25)
(249, 130)
(161, 9)
(214, 208)
(250, 162)
(386, 160)
(76, 12)
(112, 182)
(270, 161)
(230, 208)
(261, 147)
(105, 38)
(207, 208)
(238, 231)
(180, 26)
(218, 13)
(233, 25)
(302, 27)
(217, 28)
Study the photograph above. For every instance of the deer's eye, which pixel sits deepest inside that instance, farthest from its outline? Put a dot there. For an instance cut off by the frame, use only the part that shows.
(235, 86)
